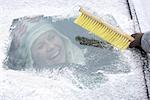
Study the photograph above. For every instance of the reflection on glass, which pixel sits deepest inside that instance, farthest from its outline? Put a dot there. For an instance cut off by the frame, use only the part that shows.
(36, 43)
(48, 48)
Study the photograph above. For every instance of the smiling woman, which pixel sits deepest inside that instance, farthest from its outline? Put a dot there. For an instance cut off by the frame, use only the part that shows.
(37, 44)
(50, 48)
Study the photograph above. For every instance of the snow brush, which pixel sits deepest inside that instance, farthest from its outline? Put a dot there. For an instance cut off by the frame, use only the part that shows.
(104, 30)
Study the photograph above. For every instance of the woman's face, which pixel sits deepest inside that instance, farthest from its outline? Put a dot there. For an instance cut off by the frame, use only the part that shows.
(48, 48)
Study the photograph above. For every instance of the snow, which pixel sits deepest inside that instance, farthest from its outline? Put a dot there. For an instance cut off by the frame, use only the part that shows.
(142, 9)
(31, 85)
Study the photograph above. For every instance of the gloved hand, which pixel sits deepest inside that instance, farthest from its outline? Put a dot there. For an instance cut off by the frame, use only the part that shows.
(137, 41)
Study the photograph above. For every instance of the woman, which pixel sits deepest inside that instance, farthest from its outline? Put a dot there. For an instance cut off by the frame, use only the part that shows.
(36, 43)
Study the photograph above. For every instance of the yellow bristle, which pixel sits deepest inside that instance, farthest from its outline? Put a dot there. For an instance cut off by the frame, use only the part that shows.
(101, 31)
(96, 27)
(121, 43)
(113, 38)
(89, 23)
(100, 28)
(125, 44)
(79, 19)
(86, 23)
(83, 21)
(108, 34)
(117, 40)
(104, 30)
(112, 34)
(105, 34)
(93, 26)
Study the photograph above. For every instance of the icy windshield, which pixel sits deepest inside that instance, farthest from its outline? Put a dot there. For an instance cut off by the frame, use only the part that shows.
(41, 41)
(47, 43)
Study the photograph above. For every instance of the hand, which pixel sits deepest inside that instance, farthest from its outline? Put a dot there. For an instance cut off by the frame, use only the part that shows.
(137, 41)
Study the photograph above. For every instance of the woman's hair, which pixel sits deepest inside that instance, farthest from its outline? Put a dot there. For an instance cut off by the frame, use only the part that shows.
(26, 31)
